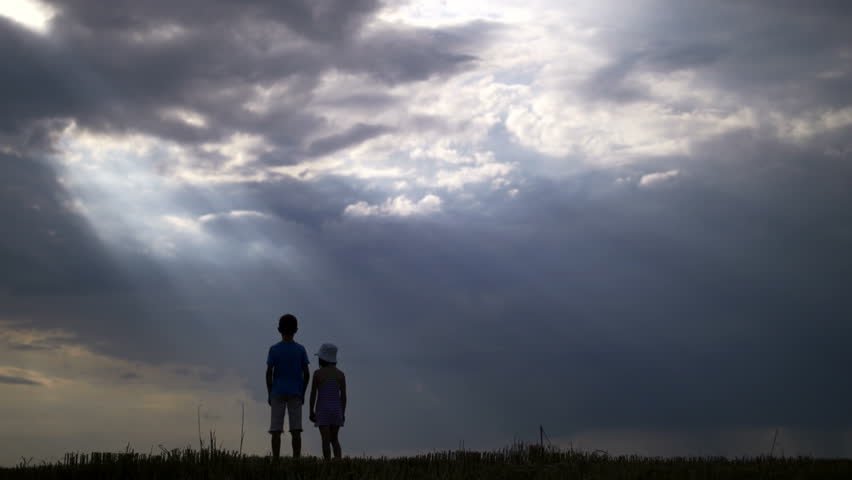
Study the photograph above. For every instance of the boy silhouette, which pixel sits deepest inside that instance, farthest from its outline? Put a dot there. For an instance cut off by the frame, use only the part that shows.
(287, 376)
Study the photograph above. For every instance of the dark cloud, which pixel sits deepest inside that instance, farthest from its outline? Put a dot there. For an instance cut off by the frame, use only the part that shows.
(689, 56)
(34, 94)
(30, 347)
(18, 381)
(709, 306)
(714, 300)
(353, 136)
(397, 55)
(209, 60)
(323, 20)
(788, 57)
(611, 84)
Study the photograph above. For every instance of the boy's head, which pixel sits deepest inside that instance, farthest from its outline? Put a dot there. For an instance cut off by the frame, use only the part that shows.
(288, 325)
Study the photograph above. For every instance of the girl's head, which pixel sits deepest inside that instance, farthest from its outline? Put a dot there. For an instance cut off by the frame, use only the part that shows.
(327, 354)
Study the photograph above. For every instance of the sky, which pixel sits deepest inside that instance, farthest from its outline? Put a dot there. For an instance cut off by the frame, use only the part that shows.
(627, 222)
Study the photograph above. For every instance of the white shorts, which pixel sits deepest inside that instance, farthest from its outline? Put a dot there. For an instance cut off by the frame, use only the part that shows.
(281, 404)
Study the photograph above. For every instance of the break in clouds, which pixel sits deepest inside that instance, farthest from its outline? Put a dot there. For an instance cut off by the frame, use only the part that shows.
(628, 223)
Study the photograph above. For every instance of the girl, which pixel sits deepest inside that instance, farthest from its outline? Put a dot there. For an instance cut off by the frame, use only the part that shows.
(328, 400)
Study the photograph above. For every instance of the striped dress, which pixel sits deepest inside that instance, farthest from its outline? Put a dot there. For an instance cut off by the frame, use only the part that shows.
(329, 411)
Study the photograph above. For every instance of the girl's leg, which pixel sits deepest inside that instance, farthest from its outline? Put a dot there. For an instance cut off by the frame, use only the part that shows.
(335, 443)
(325, 433)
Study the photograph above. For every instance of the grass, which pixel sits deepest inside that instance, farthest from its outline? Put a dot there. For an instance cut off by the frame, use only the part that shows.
(519, 461)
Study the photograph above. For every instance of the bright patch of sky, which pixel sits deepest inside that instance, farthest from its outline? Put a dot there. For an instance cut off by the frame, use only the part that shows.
(64, 380)
(437, 13)
(32, 14)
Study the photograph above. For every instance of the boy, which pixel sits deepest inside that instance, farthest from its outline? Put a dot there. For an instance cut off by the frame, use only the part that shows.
(287, 376)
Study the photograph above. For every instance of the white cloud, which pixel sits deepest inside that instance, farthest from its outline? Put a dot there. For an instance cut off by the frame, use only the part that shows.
(239, 150)
(232, 214)
(450, 155)
(188, 117)
(456, 179)
(805, 126)
(456, 170)
(178, 229)
(161, 33)
(556, 122)
(399, 206)
(657, 178)
(345, 167)
(182, 224)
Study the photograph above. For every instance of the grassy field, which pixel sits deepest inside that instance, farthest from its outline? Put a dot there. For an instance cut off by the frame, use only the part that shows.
(520, 461)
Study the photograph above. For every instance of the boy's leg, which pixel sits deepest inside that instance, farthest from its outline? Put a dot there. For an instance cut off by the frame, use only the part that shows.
(276, 425)
(325, 433)
(276, 445)
(294, 405)
(297, 444)
(335, 443)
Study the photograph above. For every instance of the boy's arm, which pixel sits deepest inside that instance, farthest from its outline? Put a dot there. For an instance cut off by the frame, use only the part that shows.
(343, 394)
(313, 400)
(306, 375)
(268, 384)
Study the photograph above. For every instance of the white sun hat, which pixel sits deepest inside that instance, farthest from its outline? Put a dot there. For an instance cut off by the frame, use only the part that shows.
(328, 352)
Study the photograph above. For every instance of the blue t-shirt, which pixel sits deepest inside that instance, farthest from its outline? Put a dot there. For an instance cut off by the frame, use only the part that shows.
(287, 360)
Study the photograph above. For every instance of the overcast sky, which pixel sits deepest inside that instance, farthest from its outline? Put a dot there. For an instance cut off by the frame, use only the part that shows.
(626, 221)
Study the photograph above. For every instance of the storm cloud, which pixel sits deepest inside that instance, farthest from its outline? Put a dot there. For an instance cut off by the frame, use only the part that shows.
(603, 218)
